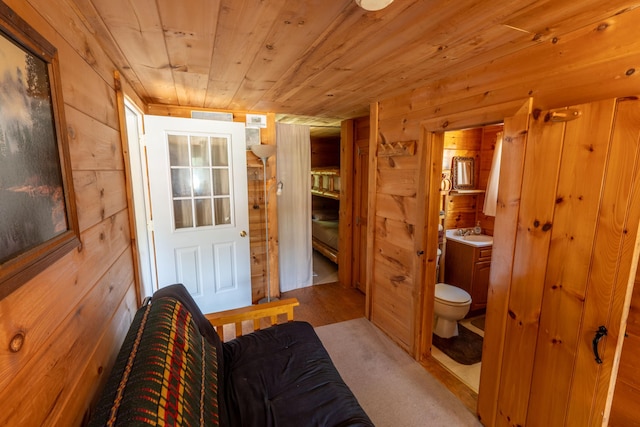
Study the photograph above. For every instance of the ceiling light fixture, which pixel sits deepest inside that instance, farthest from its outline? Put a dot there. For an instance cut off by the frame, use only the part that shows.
(373, 5)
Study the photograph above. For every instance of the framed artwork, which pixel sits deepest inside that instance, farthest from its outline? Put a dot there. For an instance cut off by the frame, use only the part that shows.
(38, 220)
(256, 120)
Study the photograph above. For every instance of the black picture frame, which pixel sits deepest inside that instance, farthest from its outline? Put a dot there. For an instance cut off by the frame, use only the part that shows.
(39, 221)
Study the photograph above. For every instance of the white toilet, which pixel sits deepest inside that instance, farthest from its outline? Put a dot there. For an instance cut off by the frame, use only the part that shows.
(450, 305)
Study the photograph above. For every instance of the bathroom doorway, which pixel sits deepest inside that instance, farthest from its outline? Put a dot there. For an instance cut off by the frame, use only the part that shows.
(556, 221)
(465, 232)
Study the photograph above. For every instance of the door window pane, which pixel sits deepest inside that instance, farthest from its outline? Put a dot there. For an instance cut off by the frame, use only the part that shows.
(201, 182)
(220, 182)
(178, 150)
(219, 151)
(204, 214)
(200, 151)
(181, 182)
(223, 211)
(182, 213)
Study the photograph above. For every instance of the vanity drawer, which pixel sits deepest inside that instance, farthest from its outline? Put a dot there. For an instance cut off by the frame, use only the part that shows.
(484, 254)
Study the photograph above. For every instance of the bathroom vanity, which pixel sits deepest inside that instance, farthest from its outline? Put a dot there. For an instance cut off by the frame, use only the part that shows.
(467, 265)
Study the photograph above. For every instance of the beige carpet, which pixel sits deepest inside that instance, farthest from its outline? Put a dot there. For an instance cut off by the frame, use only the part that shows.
(391, 387)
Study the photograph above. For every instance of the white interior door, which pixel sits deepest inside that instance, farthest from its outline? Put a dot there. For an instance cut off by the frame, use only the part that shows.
(199, 205)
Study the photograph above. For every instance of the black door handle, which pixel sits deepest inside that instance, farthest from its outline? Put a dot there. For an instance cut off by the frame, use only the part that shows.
(601, 332)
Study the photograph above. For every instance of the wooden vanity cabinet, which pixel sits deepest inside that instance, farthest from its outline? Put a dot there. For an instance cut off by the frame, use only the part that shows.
(467, 267)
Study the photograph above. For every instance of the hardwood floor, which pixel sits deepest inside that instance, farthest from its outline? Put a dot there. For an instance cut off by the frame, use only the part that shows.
(328, 303)
(324, 271)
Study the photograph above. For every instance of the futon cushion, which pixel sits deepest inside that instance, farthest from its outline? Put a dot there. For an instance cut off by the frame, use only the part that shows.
(179, 292)
(283, 376)
(166, 372)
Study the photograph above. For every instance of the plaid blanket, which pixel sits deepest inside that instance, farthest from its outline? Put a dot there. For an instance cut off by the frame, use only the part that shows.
(166, 373)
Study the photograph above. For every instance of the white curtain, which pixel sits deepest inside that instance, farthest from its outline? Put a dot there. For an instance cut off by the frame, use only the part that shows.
(491, 196)
(294, 206)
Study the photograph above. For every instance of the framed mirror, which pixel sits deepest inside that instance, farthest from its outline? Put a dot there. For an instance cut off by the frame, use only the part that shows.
(462, 173)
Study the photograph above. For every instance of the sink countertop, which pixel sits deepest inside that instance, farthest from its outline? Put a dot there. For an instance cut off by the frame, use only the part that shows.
(477, 240)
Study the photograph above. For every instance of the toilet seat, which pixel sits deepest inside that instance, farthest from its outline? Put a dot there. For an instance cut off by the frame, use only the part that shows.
(451, 295)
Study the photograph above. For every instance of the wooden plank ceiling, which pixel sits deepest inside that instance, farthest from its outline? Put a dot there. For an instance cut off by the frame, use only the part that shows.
(316, 61)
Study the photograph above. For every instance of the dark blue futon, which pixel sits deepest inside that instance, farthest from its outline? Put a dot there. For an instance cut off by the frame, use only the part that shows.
(173, 369)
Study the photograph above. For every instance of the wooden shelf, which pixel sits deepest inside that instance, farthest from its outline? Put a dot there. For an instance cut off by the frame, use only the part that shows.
(329, 194)
(465, 192)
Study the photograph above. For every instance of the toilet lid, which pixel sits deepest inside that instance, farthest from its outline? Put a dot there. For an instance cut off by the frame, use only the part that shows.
(451, 294)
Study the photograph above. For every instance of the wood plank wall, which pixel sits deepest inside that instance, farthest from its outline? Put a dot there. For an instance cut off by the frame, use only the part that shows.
(489, 135)
(325, 152)
(479, 143)
(392, 302)
(257, 234)
(74, 314)
(625, 411)
(543, 71)
(461, 210)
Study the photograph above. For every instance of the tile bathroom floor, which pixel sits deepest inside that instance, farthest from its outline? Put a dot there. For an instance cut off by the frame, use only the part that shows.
(468, 374)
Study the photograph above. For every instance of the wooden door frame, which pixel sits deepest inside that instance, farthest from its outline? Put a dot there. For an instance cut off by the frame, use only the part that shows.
(432, 145)
(345, 216)
(137, 236)
(371, 204)
(348, 258)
